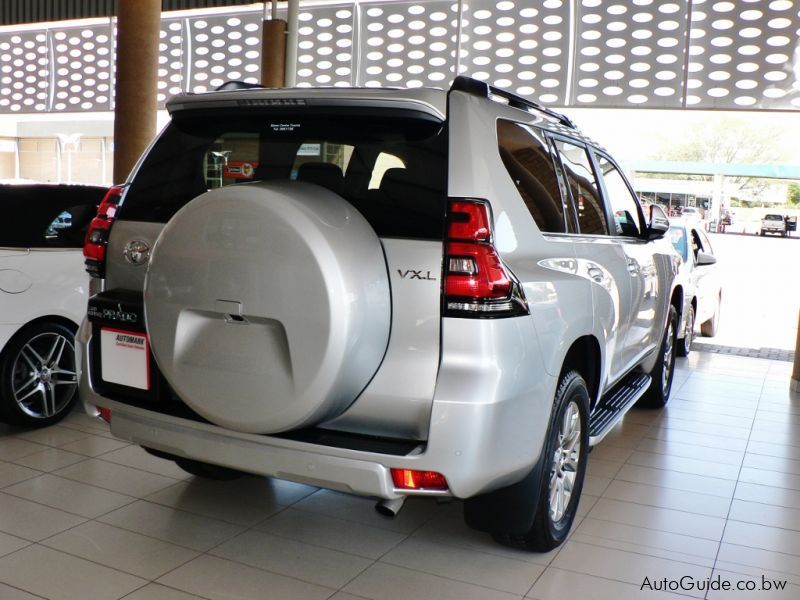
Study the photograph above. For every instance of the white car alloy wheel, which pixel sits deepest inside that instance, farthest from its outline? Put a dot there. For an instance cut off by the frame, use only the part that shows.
(44, 376)
(38, 375)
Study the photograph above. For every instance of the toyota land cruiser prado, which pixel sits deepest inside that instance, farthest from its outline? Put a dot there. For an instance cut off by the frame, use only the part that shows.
(384, 292)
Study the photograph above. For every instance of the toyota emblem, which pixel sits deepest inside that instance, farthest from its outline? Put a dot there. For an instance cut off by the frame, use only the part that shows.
(136, 252)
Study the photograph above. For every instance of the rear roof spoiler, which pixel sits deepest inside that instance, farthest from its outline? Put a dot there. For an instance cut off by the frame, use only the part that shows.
(484, 90)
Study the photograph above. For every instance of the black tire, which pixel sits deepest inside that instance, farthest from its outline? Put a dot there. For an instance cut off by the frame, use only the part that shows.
(208, 471)
(685, 343)
(38, 375)
(548, 530)
(711, 327)
(657, 395)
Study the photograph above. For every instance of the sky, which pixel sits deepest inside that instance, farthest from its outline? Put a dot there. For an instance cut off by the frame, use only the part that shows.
(633, 134)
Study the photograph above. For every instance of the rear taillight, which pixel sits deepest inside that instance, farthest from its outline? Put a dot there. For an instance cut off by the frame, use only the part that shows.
(476, 282)
(409, 479)
(94, 248)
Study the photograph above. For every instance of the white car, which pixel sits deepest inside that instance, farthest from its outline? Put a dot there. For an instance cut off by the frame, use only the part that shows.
(43, 294)
(699, 277)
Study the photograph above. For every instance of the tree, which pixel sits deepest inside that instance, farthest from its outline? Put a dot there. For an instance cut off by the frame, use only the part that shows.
(729, 139)
(793, 194)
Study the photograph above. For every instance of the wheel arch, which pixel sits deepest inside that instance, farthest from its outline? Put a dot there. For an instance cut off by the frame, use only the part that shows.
(676, 300)
(59, 319)
(585, 356)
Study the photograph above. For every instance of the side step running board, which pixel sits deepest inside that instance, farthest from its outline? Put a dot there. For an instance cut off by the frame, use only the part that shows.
(612, 407)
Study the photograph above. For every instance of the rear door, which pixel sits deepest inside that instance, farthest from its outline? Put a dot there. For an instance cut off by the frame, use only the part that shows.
(705, 278)
(601, 255)
(644, 319)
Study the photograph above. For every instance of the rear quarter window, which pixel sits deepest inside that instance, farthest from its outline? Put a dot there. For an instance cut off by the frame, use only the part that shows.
(526, 156)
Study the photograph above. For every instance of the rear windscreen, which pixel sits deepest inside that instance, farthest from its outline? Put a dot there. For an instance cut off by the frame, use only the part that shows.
(391, 166)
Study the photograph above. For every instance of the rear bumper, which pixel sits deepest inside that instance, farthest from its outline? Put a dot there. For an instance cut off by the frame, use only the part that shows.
(488, 422)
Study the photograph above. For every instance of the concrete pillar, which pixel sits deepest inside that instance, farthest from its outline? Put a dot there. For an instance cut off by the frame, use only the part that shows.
(138, 24)
(796, 370)
(273, 53)
(717, 197)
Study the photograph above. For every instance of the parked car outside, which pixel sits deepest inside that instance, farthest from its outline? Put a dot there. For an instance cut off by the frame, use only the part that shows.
(690, 213)
(773, 224)
(700, 280)
(43, 293)
(456, 295)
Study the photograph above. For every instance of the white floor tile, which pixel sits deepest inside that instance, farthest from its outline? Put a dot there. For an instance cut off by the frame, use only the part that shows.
(416, 511)
(388, 582)
(487, 570)
(70, 496)
(560, 584)
(49, 459)
(11, 474)
(238, 502)
(156, 591)
(10, 543)
(219, 579)
(172, 525)
(302, 561)
(120, 549)
(58, 576)
(330, 532)
(32, 521)
(117, 478)
(136, 457)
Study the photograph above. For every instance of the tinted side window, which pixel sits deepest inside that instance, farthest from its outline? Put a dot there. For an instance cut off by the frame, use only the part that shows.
(527, 159)
(623, 204)
(705, 241)
(47, 216)
(677, 236)
(584, 188)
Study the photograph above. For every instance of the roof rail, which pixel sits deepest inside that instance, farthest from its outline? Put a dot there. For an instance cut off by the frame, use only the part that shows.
(484, 90)
(237, 85)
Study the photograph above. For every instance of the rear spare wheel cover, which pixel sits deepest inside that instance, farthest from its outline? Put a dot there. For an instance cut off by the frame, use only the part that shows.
(268, 305)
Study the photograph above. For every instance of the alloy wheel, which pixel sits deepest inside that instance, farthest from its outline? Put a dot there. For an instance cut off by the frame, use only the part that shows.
(669, 349)
(565, 462)
(44, 375)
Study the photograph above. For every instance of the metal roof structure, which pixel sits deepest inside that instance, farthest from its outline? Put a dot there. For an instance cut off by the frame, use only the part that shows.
(705, 168)
(669, 54)
(16, 12)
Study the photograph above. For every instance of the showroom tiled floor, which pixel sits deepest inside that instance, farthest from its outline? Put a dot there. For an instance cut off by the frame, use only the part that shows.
(709, 486)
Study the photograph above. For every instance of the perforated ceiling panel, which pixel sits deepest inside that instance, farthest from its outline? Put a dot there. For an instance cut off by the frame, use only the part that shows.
(325, 46)
(83, 68)
(24, 72)
(735, 54)
(173, 49)
(744, 54)
(222, 48)
(409, 44)
(521, 46)
(630, 53)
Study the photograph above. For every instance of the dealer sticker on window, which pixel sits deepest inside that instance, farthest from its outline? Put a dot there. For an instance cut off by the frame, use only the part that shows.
(124, 358)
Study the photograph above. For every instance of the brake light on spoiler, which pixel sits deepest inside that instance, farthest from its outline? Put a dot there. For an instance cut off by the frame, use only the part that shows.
(476, 282)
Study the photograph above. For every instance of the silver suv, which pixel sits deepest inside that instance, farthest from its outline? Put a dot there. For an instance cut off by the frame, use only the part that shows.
(391, 293)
